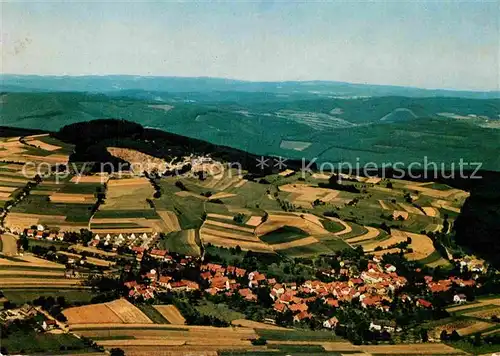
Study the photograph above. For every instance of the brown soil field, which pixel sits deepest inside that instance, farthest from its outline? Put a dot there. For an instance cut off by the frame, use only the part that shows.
(410, 208)
(240, 184)
(7, 189)
(397, 213)
(297, 243)
(230, 226)
(435, 193)
(128, 182)
(126, 194)
(171, 313)
(139, 161)
(43, 145)
(412, 349)
(170, 220)
(396, 237)
(445, 205)
(90, 179)
(220, 216)
(206, 230)
(93, 250)
(119, 311)
(286, 172)
(130, 230)
(275, 221)
(227, 242)
(430, 211)
(306, 194)
(370, 234)
(167, 351)
(255, 325)
(453, 325)
(383, 205)
(221, 195)
(72, 198)
(27, 272)
(485, 314)
(480, 303)
(254, 221)
(9, 244)
(373, 180)
(4, 195)
(422, 246)
(320, 176)
(39, 282)
(226, 184)
(474, 328)
(19, 221)
(13, 180)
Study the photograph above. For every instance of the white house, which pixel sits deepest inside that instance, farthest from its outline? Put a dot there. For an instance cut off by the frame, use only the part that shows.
(331, 323)
(459, 298)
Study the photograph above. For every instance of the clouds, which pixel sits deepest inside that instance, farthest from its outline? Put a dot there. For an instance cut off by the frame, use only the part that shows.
(438, 45)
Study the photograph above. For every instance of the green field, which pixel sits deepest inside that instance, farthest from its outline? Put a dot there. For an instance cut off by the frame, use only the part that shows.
(21, 296)
(221, 311)
(153, 314)
(177, 241)
(284, 234)
(298, 335)
(33, 342)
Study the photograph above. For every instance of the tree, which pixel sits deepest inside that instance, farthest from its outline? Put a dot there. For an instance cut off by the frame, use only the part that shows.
(455, 336)
(117, 352)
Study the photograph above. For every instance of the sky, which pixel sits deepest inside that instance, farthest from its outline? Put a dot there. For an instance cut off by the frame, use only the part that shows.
(428, 44)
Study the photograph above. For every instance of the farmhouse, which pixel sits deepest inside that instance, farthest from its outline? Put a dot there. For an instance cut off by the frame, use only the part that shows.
(331, 323)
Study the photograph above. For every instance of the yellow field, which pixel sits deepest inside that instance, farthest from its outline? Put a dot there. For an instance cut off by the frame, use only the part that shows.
(221, 195)
(170, 220)
(130, 193)
(255, 324)
(296, 243)
(119, 311)
(430, 211)
(98, 178)
(254, 221)
(72, 198)
(463, 327)
(9, 244)
(479, 303)
(304, 194)
(396, 237)
(19, 221)
(370, 234)
(410, 208)
(276, 221)
(422, 246)
(171, 313)
(485, 314)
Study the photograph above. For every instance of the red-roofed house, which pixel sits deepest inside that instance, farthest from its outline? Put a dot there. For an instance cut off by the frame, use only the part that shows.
(302, 316)
(424, 303)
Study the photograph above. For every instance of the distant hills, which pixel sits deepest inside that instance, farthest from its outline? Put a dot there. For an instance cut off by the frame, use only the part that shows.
(117, 83)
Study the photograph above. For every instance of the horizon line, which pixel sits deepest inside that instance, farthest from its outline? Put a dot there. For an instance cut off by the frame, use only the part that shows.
(497, 90)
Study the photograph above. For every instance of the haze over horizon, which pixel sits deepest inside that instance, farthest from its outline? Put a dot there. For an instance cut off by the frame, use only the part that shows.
(425, 44)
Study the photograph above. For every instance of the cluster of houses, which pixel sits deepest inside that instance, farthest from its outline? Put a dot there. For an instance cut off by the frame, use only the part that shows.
(40, 233)
(445, 285)
(372, 287)
(27, 312)
(143, 240)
